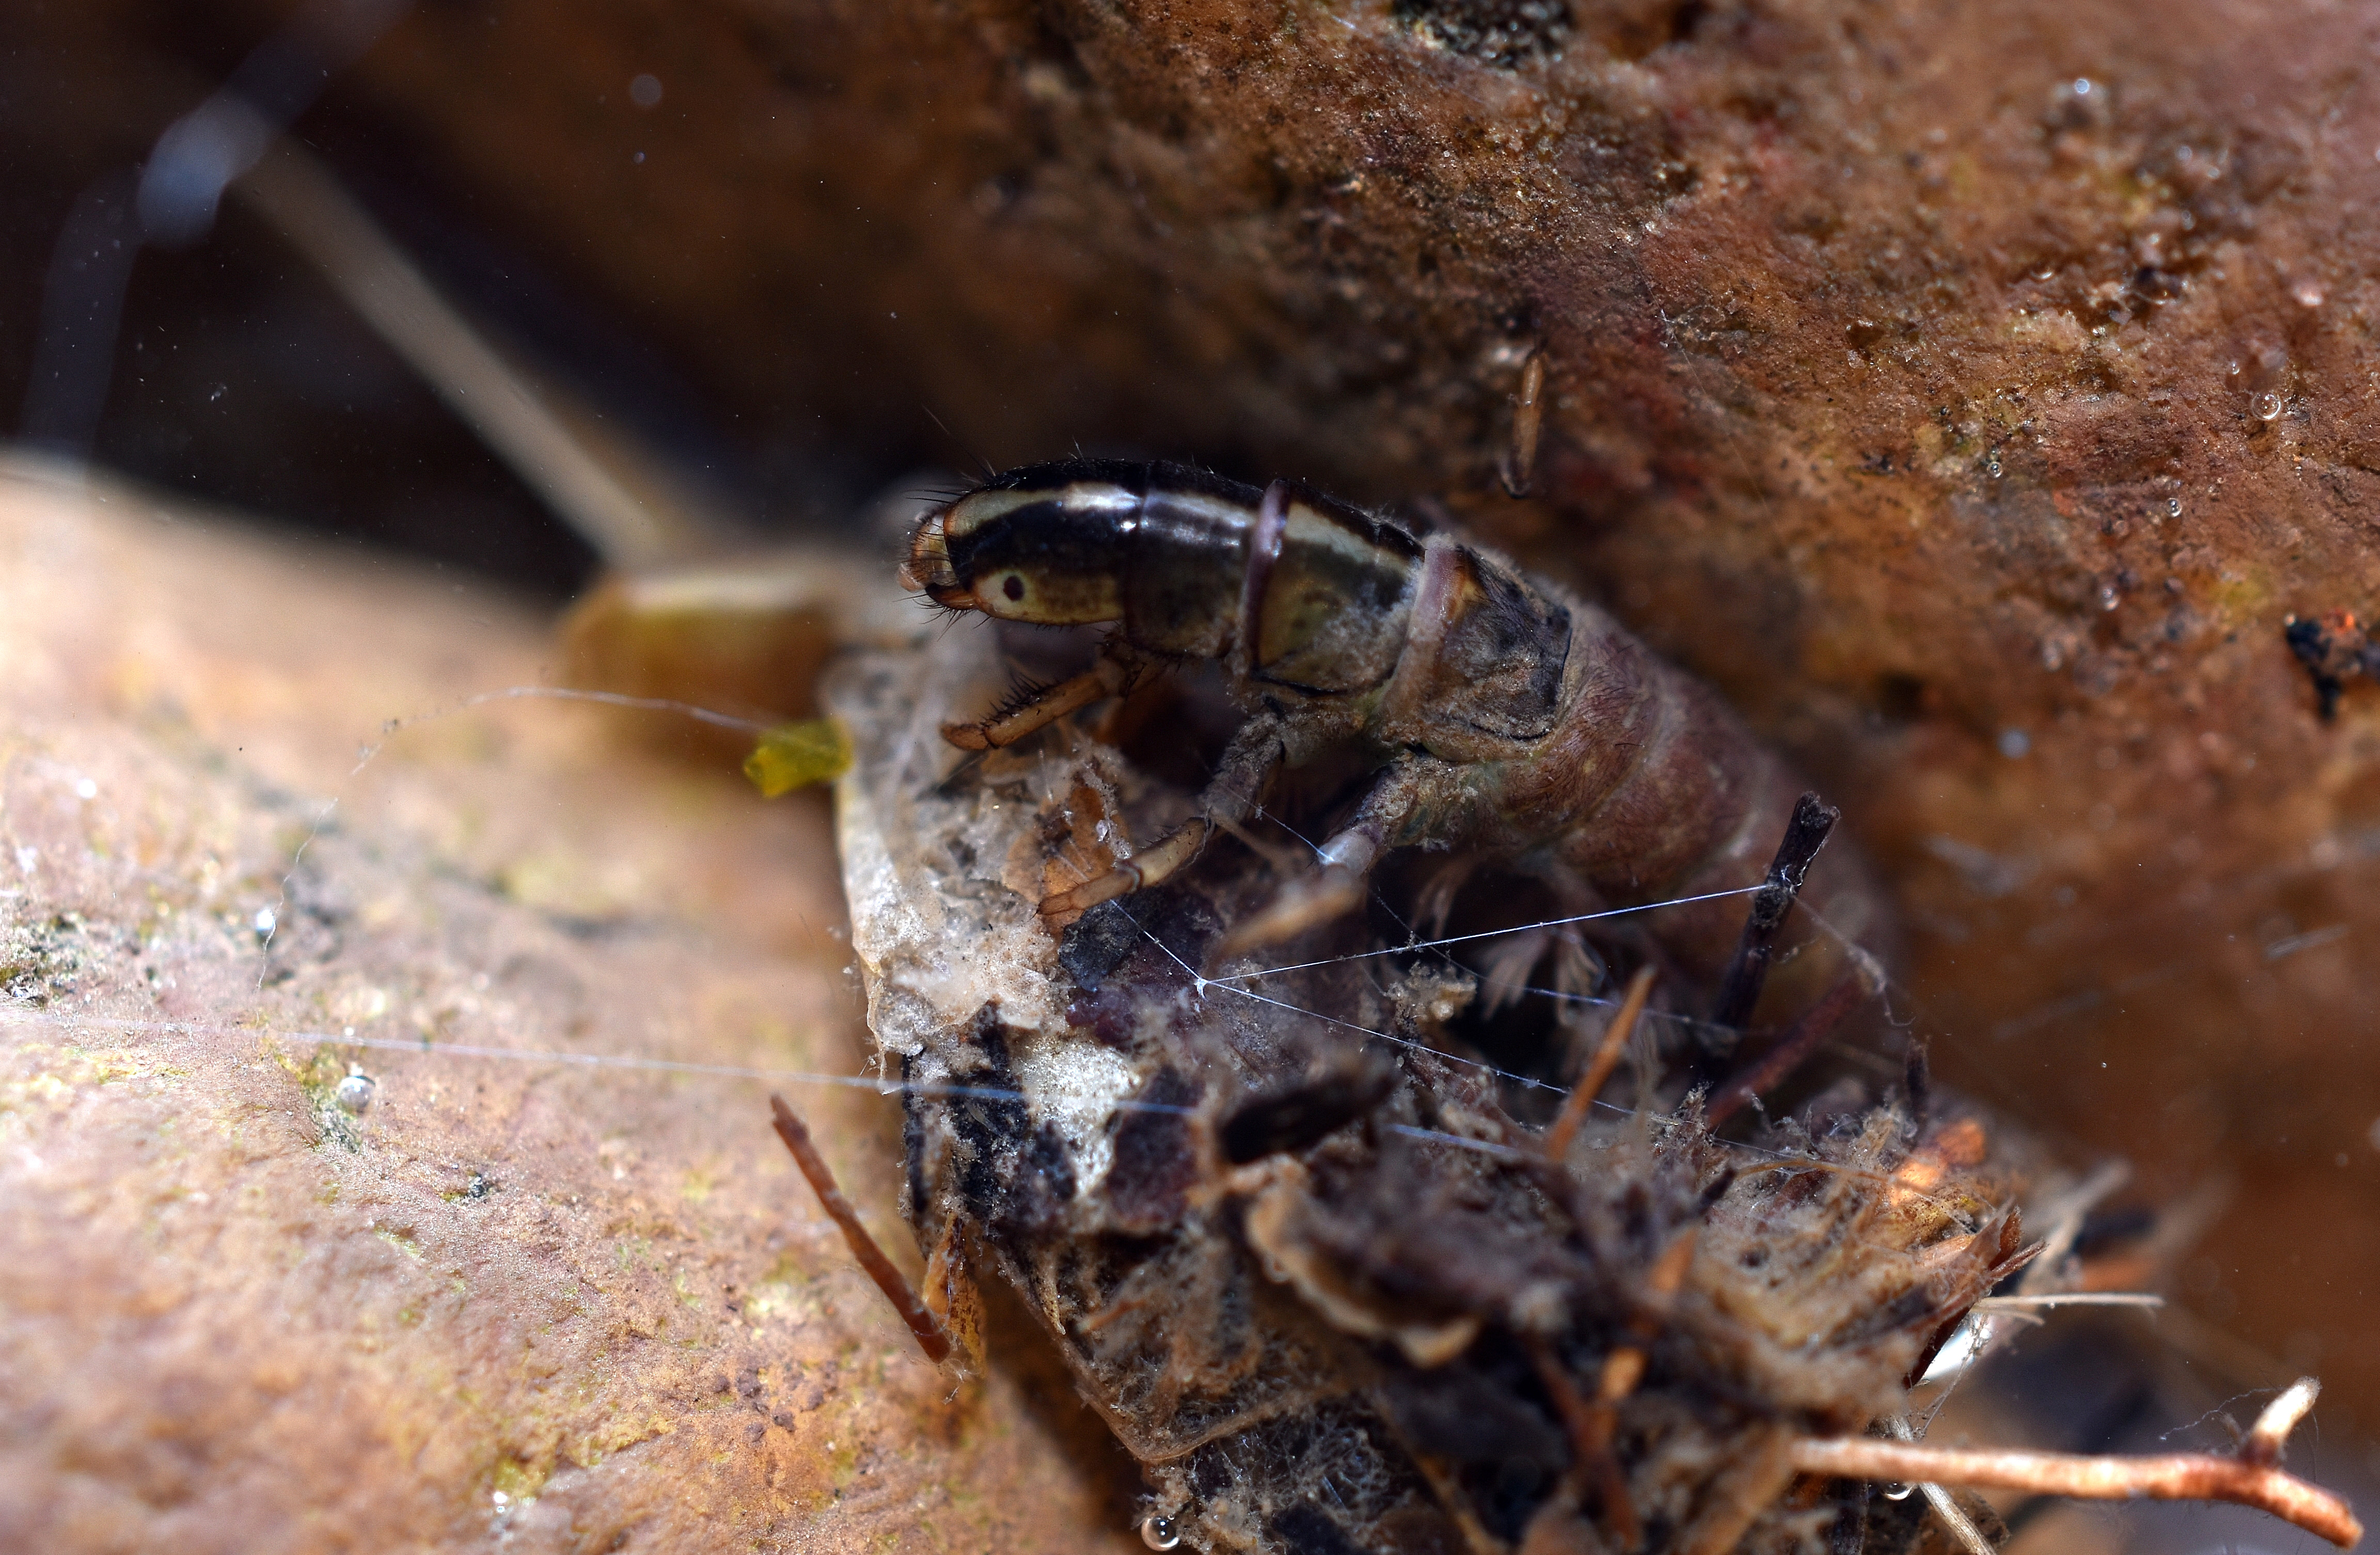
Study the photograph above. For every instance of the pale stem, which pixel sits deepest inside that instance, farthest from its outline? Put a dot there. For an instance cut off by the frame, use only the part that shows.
(2176, 1476)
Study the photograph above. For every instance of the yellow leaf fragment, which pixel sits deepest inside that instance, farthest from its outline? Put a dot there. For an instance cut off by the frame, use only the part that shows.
(795, 755)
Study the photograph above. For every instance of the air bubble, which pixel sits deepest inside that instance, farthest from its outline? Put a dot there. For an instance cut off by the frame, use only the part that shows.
(2173, 507)
(2309, 294)
(2267, 406)
(355, 1092)
(1158, 1533)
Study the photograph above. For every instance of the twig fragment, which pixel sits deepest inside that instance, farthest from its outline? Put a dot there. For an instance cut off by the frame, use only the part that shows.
(2072, 1298)
(1748, 972)
(2172, 1477)
(614, 499)
(1590, 1427)
(1946, 1506)
(888, 1278)
(1758, 1475)
(1564, 1128)
(2265, 1439)
(1593, 1423)
(1791, 1048)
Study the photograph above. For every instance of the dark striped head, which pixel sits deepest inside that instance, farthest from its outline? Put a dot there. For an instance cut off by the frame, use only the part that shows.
(1046, 543)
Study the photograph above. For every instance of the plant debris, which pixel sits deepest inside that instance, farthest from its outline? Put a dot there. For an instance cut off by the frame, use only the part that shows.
(1335, 1279)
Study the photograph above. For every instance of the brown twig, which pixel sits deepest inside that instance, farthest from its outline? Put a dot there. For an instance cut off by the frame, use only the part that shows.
(617, 495)
(1590, 1428)
(1946, 1509)
(1593, 1423)
(1754, 1476)
(1748, 972)
(1791, 1050)
(1564, 1128)
(2174, 1477)
(890, 1279)
(1624, 1368)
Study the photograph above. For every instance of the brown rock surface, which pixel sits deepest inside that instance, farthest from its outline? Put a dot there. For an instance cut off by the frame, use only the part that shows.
(1945, 380)
(540, 1306)
(1936, 405)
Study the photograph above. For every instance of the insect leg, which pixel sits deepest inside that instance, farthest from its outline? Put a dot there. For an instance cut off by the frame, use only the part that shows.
(1347, 860)
(1112, 675)
(1239, 781)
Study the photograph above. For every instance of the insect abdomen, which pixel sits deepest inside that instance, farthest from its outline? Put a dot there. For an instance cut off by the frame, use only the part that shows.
(1649, 787)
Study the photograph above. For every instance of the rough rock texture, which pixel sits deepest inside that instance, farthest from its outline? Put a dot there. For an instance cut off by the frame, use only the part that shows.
(1971, 389)
(515, 1304)
(1974, 427)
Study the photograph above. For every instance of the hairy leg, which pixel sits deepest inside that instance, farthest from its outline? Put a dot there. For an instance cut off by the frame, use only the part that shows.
(1239, 781)
(1347, 860)
(1115, 671)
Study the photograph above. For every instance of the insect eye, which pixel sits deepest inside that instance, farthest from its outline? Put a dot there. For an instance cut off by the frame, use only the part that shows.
(1013, 586)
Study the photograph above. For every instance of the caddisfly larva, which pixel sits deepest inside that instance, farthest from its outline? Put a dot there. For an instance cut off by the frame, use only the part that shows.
(1331, 1290)
(1498, 715)
(1324, 1285)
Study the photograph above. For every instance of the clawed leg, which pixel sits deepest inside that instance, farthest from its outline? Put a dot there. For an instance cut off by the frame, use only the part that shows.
(1347, 859)
(1248, 765)
(1114, 673)
(1147, 867)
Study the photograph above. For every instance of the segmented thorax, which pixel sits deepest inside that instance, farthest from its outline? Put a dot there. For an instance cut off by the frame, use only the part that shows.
(1330, 593)
(1482, 675)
